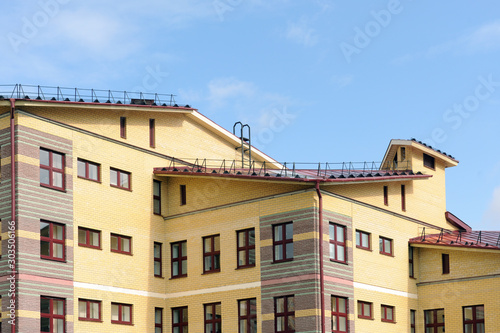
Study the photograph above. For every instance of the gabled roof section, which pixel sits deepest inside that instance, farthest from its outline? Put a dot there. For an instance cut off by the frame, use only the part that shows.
(455, 221)
(449, 161)
(489, 240)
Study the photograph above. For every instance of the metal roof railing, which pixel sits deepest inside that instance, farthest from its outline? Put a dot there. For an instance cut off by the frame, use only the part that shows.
(65, 94)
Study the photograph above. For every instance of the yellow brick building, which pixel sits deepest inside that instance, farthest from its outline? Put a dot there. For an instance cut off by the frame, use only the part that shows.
(134, 216)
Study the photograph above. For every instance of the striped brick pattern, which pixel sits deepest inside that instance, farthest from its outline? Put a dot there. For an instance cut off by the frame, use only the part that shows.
(298, 277)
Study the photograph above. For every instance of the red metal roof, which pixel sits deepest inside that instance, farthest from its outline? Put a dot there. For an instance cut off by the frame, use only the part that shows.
(470, 239)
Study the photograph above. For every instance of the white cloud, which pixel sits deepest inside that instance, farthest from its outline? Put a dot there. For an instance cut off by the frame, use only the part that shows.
(491, 218)
(301, 33)
(221, 90)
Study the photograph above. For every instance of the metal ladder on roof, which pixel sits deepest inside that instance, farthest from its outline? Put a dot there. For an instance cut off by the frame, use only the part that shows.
(246, 144)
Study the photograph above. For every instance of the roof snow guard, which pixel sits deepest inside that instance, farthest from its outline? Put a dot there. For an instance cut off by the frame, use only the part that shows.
(470, 239)
(347, 173)
(430, 147)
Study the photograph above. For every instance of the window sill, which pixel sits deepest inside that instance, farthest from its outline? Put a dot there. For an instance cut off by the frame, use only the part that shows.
(121, 188)
(367, 318)
(388, 321)
(244, 267)
(364, 248)
(121, 323)
(387, 254)
(282, 261)
(119, 252)
(339, 262)
(90, 247)
(63, 261)
(178, 277)
(210, 272)
(91, 320)
(159, 276)
(92, 180)
(54, 188)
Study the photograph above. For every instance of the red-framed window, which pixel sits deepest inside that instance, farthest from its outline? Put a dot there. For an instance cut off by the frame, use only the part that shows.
(119, 179)
(157, 262)
(403, 198)
(474, 319)
(159, 320)
(89, 238)
(429, 161)
(247, 316)
(121, 313)
(246, 248)
(52, 238)
(434, 321)
(123, 127)
(211, 254)
(386, 196)
(385, 246)
(52, 169)
(89, 170)
(213, 318)
(157, 197)
(411, 266)
(180, 320)
(89, 310)
(363, 240)
(413, 314)
(365, 310)
(183, 194)
(284, 314)
(387, 313)
(283, 242)
(52, 314)
(339, 314)
(445, 261)
(121, 244)
(179, 259)
(152, 134)
(338, 243)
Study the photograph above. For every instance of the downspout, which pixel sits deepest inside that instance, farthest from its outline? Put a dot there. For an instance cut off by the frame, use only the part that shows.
(13, 195)
(321, 271)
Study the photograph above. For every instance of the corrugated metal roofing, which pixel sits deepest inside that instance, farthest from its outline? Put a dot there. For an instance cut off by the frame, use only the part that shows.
(470, 239)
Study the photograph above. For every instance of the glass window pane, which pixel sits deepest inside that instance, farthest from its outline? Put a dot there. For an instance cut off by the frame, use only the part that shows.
(241, 239)
(158, 316)
(93, 172)
(251, 237)
(278, 233)
(291, 322)
(208, 312)
(243, 326)
(126, 313)
(358, 238)
(57, 160)
(289, 231)
(289, 250)
(440, 316)
(280, 323)
(44, 177)
(44, 248)
(113, 175)
(44, 324)
(334, 304)
(479, 312)
(217, 261)
(290, 304)
(82, 309)
(332, 231)
(389, 313)
(175, 251)
(280, 305)
(208, 245)
(57, 231)
(278, 252)
(251, 255)
(184, 249)
(176, 316)
(242, 257)
(94, 310)
(381, 244)
(367, 310)
(58, 251)
(184, 267)
(157, 268)
(340, 253)
(332, 251)
(480, 328)
(387, 245)
(58, 307)
(468, 313)
(243, 308)
(114, 312)
(340, 234)
(114, 243)
(175, 268)
(217, 243)
(94, 238)
(44, 229)
(81, 169)
(208, 263)
(157, 250)
(469, 328)
(124, 179)
(364, 239)
(185, 316)
(44, 157)
(126, 244)
(343, 324)
(45, 305)
(156, 188)
(342, 305)
(82, 236)
(57, 179)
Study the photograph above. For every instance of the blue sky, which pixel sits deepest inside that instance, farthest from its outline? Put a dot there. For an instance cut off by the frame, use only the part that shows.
(317, 81)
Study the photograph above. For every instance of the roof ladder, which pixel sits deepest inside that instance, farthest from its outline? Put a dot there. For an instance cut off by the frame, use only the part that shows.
(246, 144)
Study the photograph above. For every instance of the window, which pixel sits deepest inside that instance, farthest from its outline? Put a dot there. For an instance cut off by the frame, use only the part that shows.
(121, 313)
(283, 242)
(120, 179)
(386, 196)
(385, 246)
(337, 243)
(180, 320)
(89, 238)
(403, 198)
(152, 133)
(211, 254)
(158, 320)
(157, 197)
(363, 240)
(364, 310)
(474, 319)
(387, 313)
(284, 314)
(247, 315)
(121, 244)
(89, 170)
(403, 154)
(52, 241)
(410, 262)
(445, 259)
(213, 318)
(429, 161)
(434, 321)
(412, 321)
(246, 248)
(183, 195)
(51, 169)
(339, 314)
(52, 312)
(123, 127)
(157, 259)
(89, 310)
(179, 259)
